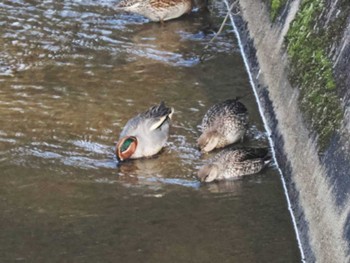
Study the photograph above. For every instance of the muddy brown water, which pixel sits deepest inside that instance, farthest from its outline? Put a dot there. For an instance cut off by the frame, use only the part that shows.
(71, 74)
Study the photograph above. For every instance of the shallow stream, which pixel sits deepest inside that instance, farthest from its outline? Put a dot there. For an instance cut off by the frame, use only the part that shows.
(71, 74)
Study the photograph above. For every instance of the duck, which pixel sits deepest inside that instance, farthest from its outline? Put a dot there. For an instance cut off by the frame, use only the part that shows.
(233, 163)
(156, 10)
(224, 123)
(145, 134)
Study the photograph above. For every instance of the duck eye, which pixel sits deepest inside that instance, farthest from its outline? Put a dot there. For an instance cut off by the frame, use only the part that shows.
(126, 144)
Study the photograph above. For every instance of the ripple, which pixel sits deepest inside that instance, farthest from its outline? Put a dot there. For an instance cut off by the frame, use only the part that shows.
(176, 181)
(179, 144)
(44, 154)
(89, 155)
(69, 48)
(92, 146)
(88, 163)
(48, 32)
(12, 141)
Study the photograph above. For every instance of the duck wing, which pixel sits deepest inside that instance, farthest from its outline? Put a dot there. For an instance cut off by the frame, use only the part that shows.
(158, 115)
(226, 108)
(149, 120)
(157, 111)
(252, 153)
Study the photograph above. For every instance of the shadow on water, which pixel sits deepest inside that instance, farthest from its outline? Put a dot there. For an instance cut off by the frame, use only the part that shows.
(72, 73)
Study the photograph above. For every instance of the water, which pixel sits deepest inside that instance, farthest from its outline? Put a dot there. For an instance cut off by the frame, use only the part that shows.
(71, 74)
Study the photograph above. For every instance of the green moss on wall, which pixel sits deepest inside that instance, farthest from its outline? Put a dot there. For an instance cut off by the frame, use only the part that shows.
(312, 71)
(276, 6)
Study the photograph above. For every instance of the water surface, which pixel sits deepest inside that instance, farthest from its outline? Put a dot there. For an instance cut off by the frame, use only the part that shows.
(71, 74)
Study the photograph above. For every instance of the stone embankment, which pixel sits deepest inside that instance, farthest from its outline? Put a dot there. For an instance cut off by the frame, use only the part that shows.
(297, 54)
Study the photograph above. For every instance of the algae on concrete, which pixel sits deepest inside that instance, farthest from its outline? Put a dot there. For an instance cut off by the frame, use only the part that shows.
(311, 71)
(276, 6)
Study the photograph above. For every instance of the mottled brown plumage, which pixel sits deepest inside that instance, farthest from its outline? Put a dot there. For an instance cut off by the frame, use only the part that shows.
(233, 163)
(224, 123)
(156, 10)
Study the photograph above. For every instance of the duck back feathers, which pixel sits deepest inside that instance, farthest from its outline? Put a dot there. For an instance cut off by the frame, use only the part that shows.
(156, 10)
(154, 118)
(223, 124)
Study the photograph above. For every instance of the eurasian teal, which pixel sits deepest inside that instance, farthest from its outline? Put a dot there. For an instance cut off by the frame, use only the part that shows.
(146, 134)
(224, 123)
(233, 163)
(156, 10)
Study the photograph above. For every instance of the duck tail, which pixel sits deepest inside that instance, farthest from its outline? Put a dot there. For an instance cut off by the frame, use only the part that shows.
(159, 114)
(267, 160)
(267, 157)
(258, 153)
(170, 115)
(159, 110)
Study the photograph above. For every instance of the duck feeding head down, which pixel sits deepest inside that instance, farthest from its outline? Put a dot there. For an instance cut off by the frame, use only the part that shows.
(224, 123)
(156, 10)
(233, 163)
(145, 134)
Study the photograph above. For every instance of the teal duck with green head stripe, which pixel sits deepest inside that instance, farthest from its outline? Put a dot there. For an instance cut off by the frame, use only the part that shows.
(145, 134)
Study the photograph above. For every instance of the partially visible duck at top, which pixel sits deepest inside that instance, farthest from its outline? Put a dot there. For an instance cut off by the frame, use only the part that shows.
(156, 10)
(145, 134)
(233, 163)
(223, 124)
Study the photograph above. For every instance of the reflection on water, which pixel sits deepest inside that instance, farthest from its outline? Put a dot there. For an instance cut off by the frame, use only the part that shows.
(72, 73)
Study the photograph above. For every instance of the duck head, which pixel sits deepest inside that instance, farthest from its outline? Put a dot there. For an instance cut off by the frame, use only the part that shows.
(208, 173)
(208, 141)
(126, 147)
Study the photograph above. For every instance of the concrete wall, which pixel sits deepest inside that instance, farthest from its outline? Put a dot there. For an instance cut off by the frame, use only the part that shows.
(317, 181)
